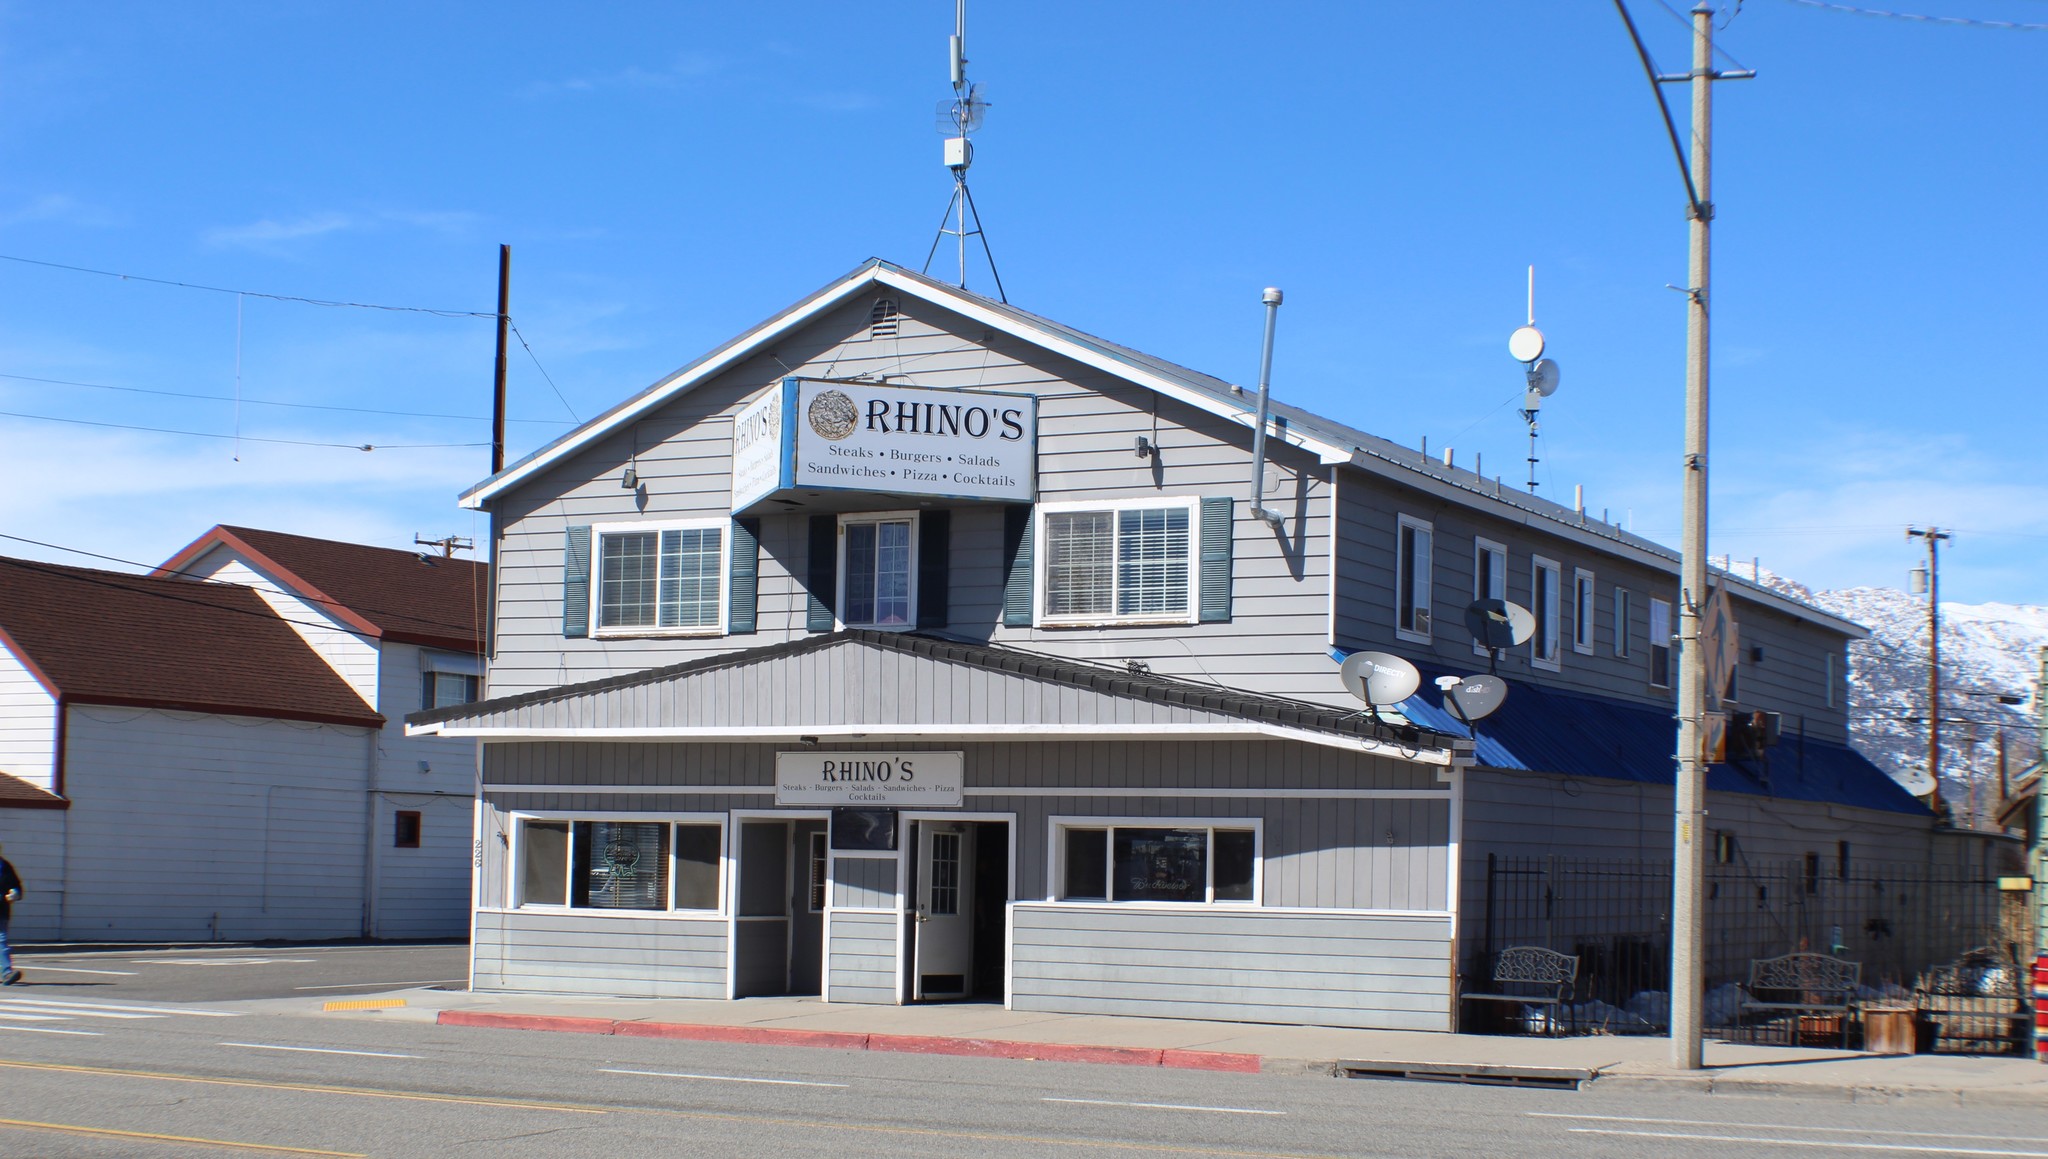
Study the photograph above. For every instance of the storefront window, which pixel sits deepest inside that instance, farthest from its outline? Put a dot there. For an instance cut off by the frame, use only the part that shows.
(652, 865)
(1150, 863)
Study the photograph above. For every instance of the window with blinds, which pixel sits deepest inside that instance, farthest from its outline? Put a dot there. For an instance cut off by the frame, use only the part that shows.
(660, 578)
(1124, 562)
(880, 563)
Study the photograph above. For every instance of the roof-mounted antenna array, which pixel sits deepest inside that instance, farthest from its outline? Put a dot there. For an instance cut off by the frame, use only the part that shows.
(1540, 373)
(959, 117)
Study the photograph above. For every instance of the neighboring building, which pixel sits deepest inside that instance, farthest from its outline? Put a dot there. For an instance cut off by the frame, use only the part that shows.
(188, 760)
(900, 523)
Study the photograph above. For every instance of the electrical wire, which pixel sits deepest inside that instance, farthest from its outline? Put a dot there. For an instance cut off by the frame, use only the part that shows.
(329, 302)
(1687, 24)
(265, 402)
(1960, 21)
(543, 370)
(241, 438)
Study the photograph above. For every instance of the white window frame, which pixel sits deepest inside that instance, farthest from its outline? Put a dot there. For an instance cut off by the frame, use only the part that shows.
(1585, 610)
(1554, 609)
(1482, 547)
(1040, 586)
(1406, 571)
(852, 517)
(514, 872)
(597, 533)
(1670, 652)
(1056, 850)
(1623, 608)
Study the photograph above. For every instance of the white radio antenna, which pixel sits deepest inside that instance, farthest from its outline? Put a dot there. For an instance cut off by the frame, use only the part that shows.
(959, 117)
(1526, 345)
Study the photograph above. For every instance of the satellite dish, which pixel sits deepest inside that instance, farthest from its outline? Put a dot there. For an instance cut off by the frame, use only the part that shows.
(1379, 678)
(1476, 697)
(1543, 377)
(1916, 782)
(1526, 344)
(1498, 624)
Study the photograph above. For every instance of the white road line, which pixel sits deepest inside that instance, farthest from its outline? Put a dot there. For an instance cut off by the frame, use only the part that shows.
(61, 1006)
(717, 1078)
(1838, 1144)
(1781, 1127)
(315, 1050)
(1167, 1106)
(40, 969)
(26, 1016)
(45, 1013)
(365, 985)
(227, 962)
(51, 1030)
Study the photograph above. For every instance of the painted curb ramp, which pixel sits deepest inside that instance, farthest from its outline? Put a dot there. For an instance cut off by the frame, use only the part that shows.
(844, 1040)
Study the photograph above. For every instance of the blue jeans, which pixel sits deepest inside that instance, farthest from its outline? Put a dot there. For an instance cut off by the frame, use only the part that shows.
(6, 959)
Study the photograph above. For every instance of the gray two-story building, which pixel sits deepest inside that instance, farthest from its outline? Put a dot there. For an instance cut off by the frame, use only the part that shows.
(911, 646)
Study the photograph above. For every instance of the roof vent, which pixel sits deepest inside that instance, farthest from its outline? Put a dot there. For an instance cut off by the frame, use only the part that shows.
(883, 319)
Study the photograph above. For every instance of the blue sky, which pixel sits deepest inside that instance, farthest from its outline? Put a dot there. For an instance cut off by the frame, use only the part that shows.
(667, 175)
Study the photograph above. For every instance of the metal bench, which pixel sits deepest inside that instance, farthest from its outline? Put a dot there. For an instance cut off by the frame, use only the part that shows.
(1975, 1003)
(1808, 987)
(1531, 976)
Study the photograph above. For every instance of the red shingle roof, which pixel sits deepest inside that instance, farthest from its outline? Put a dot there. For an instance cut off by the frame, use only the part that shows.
(105, 637)
(16, 793)
(385, 593)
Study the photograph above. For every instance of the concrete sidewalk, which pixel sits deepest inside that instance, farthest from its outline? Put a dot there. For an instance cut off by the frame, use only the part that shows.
(991, 1031)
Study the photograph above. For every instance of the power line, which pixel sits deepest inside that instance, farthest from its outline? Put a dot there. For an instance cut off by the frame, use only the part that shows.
(265, 402)
(330, 302)
(543, 370)
(243, 438)
(1962, 21)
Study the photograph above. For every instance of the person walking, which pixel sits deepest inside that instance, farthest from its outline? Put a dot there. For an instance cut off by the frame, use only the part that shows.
(10, 892)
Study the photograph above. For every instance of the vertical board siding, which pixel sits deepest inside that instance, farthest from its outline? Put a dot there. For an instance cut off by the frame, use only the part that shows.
(862, 957)
(601, 954)
(864, 883)
(1236, 966)
(28, 725)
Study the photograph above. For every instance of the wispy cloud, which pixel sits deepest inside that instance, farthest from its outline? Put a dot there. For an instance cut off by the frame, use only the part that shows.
(271, 234)
(60, 209)
(682, 70)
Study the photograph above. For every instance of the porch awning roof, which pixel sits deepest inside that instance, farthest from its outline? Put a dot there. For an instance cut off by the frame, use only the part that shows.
(858, 684)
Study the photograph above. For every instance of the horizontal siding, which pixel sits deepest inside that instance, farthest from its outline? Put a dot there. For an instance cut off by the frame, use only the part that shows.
(28, 724)
(424, 892)
(584, 954)
(1334, 970)
(862, 957)
(34, 839)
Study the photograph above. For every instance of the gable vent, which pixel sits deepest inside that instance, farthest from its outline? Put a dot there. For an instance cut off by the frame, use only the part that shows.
(883, 319)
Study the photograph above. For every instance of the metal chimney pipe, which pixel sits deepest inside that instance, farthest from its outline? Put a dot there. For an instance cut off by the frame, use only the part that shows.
(1272, 298)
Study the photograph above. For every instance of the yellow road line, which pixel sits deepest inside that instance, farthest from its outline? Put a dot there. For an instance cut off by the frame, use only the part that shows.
(110, 1133)
(303, 1088)
(362, 1004)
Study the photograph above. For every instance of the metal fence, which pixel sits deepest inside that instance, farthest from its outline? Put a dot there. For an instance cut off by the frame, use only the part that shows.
(1898, 921)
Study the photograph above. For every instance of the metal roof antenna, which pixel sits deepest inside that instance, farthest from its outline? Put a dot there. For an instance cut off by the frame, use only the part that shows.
(959, 117)
(1526, 345)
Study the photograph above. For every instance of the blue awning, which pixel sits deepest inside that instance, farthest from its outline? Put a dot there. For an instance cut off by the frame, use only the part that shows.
(1547, 730)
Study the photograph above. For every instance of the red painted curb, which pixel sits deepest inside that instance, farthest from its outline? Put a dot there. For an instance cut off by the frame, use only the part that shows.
(526, 1021)
(1210, 1060)
(995, 1048)
(760, 1035)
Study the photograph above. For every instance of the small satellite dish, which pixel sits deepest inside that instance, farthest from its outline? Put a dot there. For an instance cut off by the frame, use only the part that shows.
(1476, 697)
(1499, 624)
(1526, 344)
(1379, 678)
(1543, 377)
(1916, 782)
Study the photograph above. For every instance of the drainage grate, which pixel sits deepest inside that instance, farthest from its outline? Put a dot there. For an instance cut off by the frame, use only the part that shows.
(1476, 1074)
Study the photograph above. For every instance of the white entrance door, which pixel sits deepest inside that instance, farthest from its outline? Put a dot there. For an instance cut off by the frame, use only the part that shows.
(945, 910)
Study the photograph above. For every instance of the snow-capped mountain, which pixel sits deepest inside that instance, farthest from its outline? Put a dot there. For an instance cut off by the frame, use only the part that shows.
(1988, 651)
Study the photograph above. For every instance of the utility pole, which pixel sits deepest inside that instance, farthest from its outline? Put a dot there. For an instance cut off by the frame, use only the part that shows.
(498, 393)
(1933, 536)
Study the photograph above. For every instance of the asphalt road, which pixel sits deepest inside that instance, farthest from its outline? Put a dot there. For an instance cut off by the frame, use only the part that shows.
(84, 1077)
(224, 973)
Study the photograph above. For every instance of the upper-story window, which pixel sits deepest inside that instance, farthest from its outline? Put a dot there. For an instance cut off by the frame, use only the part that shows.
(1545, 645)
(878, 570)
(1582, 611)
(1660, 643)
(1623, 609)
(1128, 561)
(660, 577)
(1412, 573)
(448, 679)
(1489, 575)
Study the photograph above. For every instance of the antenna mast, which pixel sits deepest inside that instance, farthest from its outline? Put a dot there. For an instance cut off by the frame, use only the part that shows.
(1540, 373)
(959, 117)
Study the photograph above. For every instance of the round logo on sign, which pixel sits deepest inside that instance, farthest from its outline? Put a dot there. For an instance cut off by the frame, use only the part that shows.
(833, 415)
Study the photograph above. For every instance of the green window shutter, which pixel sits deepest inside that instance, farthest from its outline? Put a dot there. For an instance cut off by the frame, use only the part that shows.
(1217, 516)
(1017, 547)
(576, 583)
(934, 564)
(823, 573)
(745, 570)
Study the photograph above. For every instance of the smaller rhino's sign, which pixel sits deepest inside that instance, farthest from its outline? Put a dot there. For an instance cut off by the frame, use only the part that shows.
(892, 780)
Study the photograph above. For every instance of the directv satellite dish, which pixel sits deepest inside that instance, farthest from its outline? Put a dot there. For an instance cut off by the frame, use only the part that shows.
(1916, 782)
(1498, 624)
(1543, 377)
(1476, 697)
(1526, 344)
(1379, 678)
